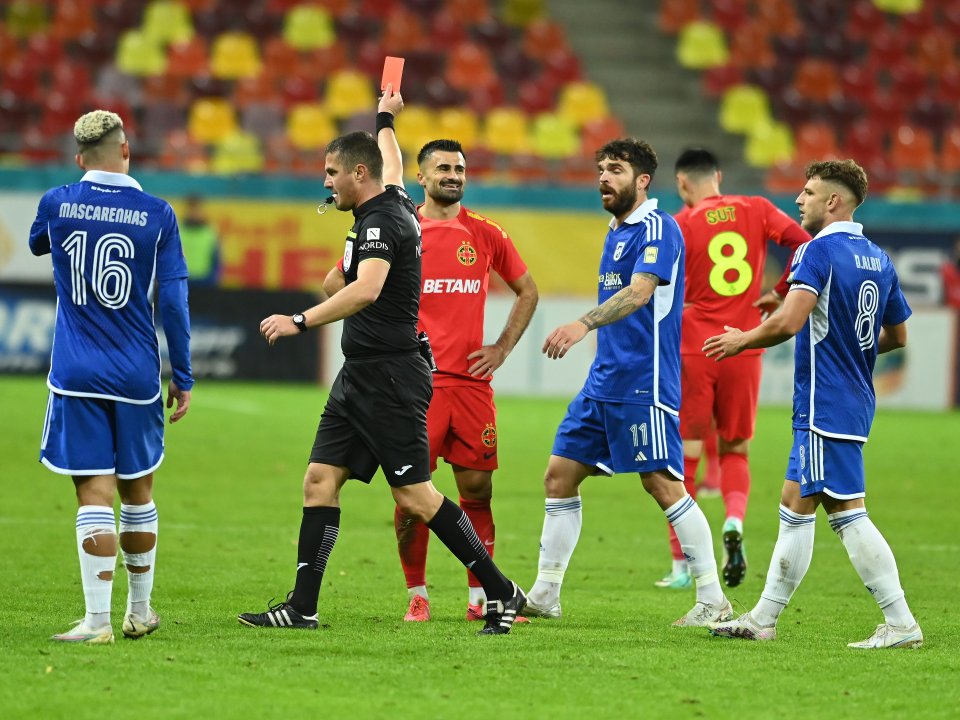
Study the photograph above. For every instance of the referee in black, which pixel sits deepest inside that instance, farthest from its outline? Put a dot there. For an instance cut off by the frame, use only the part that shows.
(376, 415)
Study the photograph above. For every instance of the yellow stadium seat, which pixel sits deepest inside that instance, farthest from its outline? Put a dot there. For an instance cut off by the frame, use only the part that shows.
(460, 124)
(235, 55)
(702, 45)
(237, 153)
(900, 7)
(769, 144)
(554, 136)
(416, 126)
(307, 27)
(211, 120)
(582, 102)
(25, 18)
(506, 131)
(167, 21)
(349, 92)
(744, 107)
(521, 13)
(139, 55)
(310, 127)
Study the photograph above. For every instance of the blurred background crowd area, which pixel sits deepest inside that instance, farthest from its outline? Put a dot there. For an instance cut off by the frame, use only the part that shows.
(530, 87)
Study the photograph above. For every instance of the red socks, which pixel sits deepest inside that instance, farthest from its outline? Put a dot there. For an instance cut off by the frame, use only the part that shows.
(735, 483)
(481, 516)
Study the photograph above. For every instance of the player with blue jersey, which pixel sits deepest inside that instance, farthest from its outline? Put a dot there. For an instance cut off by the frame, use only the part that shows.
(845, 306)
(112, 246)
(626, 417)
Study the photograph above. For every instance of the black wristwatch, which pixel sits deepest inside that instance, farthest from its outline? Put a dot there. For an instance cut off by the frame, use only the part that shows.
(300, 321)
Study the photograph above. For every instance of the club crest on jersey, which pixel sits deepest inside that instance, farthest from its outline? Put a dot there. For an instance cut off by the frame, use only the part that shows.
(466, 254)
(618, 251)
(489, 435)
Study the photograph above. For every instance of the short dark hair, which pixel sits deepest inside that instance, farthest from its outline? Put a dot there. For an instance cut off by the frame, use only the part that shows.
(358, 148)
(438, 146)
(638, 153)
(697, 161)
(845, 172)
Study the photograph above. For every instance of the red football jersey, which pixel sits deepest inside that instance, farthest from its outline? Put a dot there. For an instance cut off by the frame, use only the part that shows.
(458, 255)
(726, 242)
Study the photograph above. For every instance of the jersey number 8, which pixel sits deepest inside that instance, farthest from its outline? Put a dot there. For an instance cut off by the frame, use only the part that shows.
(735, 262)
(111, 279)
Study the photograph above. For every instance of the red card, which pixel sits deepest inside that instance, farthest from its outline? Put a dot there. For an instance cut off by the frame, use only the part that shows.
(392, 73)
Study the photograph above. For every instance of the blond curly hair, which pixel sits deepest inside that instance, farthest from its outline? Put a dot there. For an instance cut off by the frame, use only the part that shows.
(92, 127)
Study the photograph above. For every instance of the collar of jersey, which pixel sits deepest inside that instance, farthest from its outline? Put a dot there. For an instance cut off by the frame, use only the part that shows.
(841, 226)
(647, 207)
(102, 177)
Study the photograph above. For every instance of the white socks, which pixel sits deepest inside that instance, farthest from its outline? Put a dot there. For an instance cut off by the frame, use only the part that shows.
(96, 531)
(139, 552)
(420, 590)
(561, 530)
(874, 562)
(693, 531)
(788, 564)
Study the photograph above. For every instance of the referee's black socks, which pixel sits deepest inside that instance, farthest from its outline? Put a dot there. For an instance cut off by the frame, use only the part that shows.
(318, 532)
(453, 527)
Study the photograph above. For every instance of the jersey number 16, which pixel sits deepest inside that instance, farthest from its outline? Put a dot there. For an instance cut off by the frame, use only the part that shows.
(111, 279)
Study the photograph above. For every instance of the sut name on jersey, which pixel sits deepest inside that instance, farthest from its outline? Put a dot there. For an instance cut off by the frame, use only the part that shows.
(451, 285)
(82, 211)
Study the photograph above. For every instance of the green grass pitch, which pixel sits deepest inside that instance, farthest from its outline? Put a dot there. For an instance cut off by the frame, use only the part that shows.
(229, 501)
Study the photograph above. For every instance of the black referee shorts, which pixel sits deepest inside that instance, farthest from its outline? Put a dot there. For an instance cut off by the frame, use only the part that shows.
(376, 415)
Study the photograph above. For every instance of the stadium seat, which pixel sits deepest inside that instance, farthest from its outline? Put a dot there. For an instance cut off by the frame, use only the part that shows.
(731, 15)
(578, 170)
(43, 50)
(403, 31)
(349, 92)
(495, 35)
(816, 80)
(437, 92)
(60, 111)
(139, 55)
(554, 136)
(791, 49)
(936, 50)
(528, 169)
(254, 91)
(235, 55)
(948, 85)
(535, 96)
(69, 76)
(111, 83)
(296, 90)
(858, 82)
(310, 126)
(715, 81)
(785, 178)
(676, 14)
(750, 47)
(167, 21)
(471, 11)
(460, 123)
(181, 154)
(521, 13)
(307, 27)
(561, 67)
(263, 119)
(701, 46)
(597, 133)
(210, 120)
(353, 28)
(24, 19)
(744, 107)
(237, 153)
(469, 65)
(582, 102)
(483, 99)
(320, 63)
(778, 16)
(188, 59)
(505, 131)
(932, 114)
(907, 83)
(864, 20)
(162, 117)
(768, 144)
(912, 149)
(864, 139)
(816, 141)
(542, 37)
(447, 28)
(416, 126)
(950, 151)
(888, 47)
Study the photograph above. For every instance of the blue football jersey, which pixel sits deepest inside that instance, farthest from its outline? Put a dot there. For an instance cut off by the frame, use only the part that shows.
(109, 242)
(638, 357)
(857, 293)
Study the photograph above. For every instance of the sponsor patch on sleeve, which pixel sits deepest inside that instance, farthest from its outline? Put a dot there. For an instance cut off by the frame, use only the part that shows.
(373, 233)
(650, 255)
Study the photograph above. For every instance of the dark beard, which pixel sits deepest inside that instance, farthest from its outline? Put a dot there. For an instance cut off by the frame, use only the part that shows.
(446, 196)
(623, 201)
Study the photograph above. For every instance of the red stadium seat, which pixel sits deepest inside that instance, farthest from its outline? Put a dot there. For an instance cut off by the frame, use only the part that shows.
(731, 15)
(468, 65)
(912, 149)
(936, 50)
(187, 59)
(715, 81)
(816, 80)
(72, 18)
(858, 82)
(908, 83)
(816, 141)
(254, 91)
(865, 20)
(750, 46)
(865, 139)
(543, 37)
(950, 151)
(402, 31)
(674, 14)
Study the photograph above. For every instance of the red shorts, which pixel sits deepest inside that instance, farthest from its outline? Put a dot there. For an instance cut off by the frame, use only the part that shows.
(724, 391)
(462, 426)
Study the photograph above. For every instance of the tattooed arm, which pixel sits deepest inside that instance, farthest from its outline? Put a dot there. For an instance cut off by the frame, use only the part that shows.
(625, 302)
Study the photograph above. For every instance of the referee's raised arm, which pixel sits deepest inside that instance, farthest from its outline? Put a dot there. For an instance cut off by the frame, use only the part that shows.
(391, 104)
